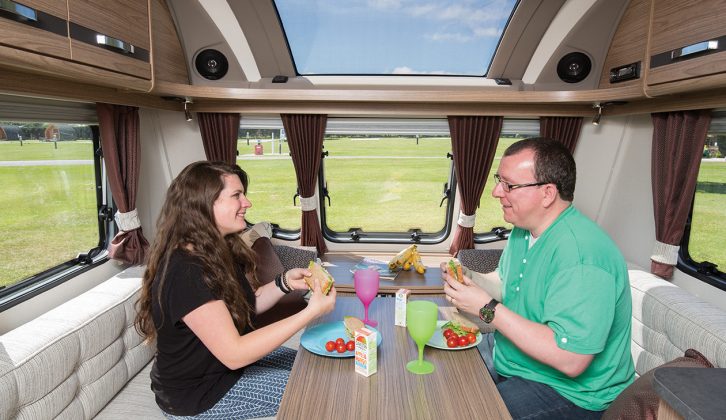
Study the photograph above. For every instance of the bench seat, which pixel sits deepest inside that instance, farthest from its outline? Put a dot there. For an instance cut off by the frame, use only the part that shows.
(84, 359)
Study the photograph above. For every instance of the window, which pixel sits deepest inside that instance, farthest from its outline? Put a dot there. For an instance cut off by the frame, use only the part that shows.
(704, 239)
(386, 180)
(391, 37)
(51, 195)
(489, 214)
(265, 156)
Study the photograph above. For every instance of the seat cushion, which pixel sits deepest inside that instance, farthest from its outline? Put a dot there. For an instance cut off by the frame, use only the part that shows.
(134, 401)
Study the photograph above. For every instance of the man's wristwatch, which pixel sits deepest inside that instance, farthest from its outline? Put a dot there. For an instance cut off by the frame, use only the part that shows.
(486, 313)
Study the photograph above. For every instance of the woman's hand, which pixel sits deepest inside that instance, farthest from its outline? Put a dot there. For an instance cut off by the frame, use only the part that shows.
(467, 296)
(320, 304)
(295, 278)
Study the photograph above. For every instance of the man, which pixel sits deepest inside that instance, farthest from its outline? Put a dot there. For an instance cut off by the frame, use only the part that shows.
(562, 343)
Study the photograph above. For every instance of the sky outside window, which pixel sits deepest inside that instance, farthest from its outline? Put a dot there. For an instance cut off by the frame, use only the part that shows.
(359, 37)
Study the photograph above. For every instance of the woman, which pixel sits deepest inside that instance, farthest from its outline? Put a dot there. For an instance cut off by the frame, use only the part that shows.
(199, 305)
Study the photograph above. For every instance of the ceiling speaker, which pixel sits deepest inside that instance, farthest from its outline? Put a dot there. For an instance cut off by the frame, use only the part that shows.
(211, 64)
(574, 67)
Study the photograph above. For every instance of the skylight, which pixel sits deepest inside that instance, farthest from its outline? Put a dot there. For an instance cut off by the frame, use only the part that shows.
(393, 37)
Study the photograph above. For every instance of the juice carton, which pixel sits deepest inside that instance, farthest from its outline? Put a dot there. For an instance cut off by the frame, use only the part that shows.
(366, 351)
(401, 298)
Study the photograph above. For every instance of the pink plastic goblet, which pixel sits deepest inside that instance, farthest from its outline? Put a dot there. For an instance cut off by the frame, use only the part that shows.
(366, 284)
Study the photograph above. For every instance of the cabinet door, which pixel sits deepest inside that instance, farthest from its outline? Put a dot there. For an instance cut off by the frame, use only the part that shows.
(678, 29)
(37, 26)
(111, 34)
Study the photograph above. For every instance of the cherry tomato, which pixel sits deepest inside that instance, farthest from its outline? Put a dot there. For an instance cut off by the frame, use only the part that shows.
(451, 343)
(454, 335)
(471, 337)
(340, 348)
(463, 341)
(330, 346)
(350, 345)
(447, 333)
(339, 341)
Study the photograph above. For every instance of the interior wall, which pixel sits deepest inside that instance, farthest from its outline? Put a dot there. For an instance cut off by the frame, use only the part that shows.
(627, 204)
(630, 189)
(595, 157)
(168, 145)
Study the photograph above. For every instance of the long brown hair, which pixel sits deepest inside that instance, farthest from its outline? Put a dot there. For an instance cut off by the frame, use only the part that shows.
(187, 222)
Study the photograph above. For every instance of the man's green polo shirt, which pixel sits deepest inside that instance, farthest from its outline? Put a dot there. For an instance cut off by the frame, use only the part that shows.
(574, 280)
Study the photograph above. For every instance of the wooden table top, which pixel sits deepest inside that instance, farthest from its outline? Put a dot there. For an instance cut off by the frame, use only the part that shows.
(339, 265)
(327, 387)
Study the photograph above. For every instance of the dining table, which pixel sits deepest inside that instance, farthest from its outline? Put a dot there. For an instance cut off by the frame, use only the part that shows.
(341, 265)
(327, 387)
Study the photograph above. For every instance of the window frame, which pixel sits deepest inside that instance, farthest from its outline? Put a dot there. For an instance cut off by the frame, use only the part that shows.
(347, 125)
(43, 281)
(412, 236)
(704, 270)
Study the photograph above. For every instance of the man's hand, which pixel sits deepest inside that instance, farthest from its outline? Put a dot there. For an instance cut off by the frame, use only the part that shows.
(466, 296)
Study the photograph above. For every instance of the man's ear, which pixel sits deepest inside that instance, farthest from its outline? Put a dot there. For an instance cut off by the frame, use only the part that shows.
(550, 194)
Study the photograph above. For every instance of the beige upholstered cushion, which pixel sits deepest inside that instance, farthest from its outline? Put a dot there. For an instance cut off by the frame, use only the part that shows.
(70, 361)
(668, 320)
(256, 231)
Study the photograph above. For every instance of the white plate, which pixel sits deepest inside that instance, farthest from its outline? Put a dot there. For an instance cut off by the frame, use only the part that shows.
(439, 341)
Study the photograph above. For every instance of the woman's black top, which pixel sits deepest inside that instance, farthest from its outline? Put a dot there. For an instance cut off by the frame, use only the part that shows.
(186, 377)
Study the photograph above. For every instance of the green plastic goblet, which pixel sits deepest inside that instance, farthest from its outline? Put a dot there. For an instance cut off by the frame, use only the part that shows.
(421, 316)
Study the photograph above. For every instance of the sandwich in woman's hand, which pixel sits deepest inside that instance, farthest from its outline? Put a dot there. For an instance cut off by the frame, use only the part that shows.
(454, 269)
(320, 273)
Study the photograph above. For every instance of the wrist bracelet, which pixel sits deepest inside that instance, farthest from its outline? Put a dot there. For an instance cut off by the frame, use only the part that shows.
(284, 281)
(278, 283)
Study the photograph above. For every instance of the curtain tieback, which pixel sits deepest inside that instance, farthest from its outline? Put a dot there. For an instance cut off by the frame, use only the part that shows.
(127, 221)
(665, 253)
(465, 220)
(308, 203)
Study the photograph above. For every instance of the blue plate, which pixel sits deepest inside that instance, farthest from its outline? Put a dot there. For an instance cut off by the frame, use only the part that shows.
(439, 341)
(315, 337)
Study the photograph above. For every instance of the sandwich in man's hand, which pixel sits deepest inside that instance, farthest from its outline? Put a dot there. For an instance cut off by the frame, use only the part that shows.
(454, 269)
(319, 272)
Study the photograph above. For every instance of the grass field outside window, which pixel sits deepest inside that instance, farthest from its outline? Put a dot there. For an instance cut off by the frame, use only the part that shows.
(47, 209)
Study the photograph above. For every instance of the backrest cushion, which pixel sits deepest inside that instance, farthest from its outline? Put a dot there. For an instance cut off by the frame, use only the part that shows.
(480, 260)
(294, 257)
(70, 361)
(639, 400)
(268, 264)
(271, 261)
(668, 320)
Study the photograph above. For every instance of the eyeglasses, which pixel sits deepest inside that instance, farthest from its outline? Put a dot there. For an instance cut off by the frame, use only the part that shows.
(509, 187)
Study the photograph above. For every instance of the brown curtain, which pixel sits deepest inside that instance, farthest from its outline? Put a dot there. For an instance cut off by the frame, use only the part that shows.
(219, 135)
(305, 139)
(678, 139)
(564, 129)
(474, 143)
(119, 128)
